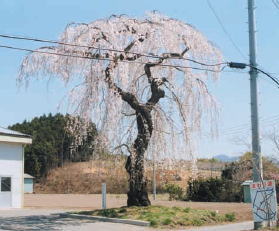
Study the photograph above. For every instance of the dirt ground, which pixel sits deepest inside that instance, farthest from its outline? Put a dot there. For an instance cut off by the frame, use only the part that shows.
(93, 201)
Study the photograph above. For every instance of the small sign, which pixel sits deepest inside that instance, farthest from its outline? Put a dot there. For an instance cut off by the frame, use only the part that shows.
(264, 202)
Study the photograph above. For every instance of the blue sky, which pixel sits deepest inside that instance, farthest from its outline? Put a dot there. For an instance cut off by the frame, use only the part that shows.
(47, 19)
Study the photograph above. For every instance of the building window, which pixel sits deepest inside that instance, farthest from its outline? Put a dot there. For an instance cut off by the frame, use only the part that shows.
(5, 184)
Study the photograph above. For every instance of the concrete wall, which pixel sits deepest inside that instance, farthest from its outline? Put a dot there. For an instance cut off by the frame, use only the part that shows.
(28, 185)
(11, 165)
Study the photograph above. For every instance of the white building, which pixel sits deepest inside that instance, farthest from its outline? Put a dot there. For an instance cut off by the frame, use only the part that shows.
(12, 168)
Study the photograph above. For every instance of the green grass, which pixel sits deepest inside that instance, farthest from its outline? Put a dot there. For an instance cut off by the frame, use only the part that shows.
(165, 217)
(230, 216)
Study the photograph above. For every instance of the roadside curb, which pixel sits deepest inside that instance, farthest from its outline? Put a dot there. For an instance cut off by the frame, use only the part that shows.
(239, 226)
(104, 219)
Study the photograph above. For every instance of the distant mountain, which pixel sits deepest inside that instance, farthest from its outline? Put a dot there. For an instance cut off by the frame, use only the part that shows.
(225, 158)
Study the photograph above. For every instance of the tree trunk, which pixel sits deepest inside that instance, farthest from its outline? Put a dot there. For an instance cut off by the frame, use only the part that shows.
(137, 195)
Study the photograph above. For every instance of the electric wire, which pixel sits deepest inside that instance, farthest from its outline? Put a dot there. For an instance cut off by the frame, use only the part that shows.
(276, 3)
(104, 49)
(105, 59)
(253, 68)
(248, 129)
(274, 79)
(269, 121)
(270, 82)
(225, 30)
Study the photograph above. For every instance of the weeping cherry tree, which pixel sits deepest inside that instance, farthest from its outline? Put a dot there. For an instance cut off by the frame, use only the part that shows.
(139, 82)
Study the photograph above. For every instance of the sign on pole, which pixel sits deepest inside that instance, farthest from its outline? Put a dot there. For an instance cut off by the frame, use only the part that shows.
(264, 202)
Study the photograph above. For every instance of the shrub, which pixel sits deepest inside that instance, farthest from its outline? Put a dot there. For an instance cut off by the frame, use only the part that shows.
(230, 216)
(167, 221)
(214, 190)
(197, 222)
(122, 210)
(175, 191)
(204, 189)
(213, 213)
(153, 222)
(108, 213)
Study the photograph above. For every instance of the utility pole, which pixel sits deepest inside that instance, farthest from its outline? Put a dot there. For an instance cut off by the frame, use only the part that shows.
(256, 150)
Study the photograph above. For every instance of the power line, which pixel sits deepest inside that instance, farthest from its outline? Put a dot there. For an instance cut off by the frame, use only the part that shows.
(267, 119)
(274, 79)
(244, 65)
(104, 49)
(243, 127)
(276, 3)
(73, 45)
(269, 81)
(245, 130)
(246, 127)
(103, 59)
(225, 30)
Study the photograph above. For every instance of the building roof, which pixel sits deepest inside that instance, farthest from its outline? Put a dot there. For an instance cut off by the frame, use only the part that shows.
(27, 176)
(8, 132)
(7, 135)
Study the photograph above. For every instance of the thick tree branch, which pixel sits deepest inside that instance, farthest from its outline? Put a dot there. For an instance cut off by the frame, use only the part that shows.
(124, 145)
(155, 83)
(126, 96)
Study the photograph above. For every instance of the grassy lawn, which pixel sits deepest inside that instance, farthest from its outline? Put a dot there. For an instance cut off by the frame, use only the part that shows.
(165, 217)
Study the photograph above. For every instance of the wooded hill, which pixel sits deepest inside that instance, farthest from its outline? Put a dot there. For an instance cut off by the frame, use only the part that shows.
(59, 167)
(52, 144)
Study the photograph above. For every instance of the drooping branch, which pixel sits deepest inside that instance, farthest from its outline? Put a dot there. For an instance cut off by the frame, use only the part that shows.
(108, 56)
(118, 50)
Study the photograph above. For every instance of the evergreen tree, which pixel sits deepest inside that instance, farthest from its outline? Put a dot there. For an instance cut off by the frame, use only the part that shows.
(52, 144)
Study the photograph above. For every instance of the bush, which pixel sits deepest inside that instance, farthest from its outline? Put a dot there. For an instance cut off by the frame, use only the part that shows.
(230, 216)
(153, 222)
(175, 191)
(197, 222)
(214, 190)
(204, 189)
(108, 213)
(213, 213)
(166, 221)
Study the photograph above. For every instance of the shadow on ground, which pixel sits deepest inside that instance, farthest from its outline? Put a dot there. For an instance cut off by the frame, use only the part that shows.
(49, 222)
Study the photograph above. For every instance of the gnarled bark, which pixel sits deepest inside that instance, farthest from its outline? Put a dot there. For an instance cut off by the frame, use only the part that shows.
(137, 195)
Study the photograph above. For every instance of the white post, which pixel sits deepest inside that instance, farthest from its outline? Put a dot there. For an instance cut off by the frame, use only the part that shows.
(154, 180)
(104, 196)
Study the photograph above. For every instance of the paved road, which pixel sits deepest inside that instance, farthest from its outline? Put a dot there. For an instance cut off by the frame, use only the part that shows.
(46, 220)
